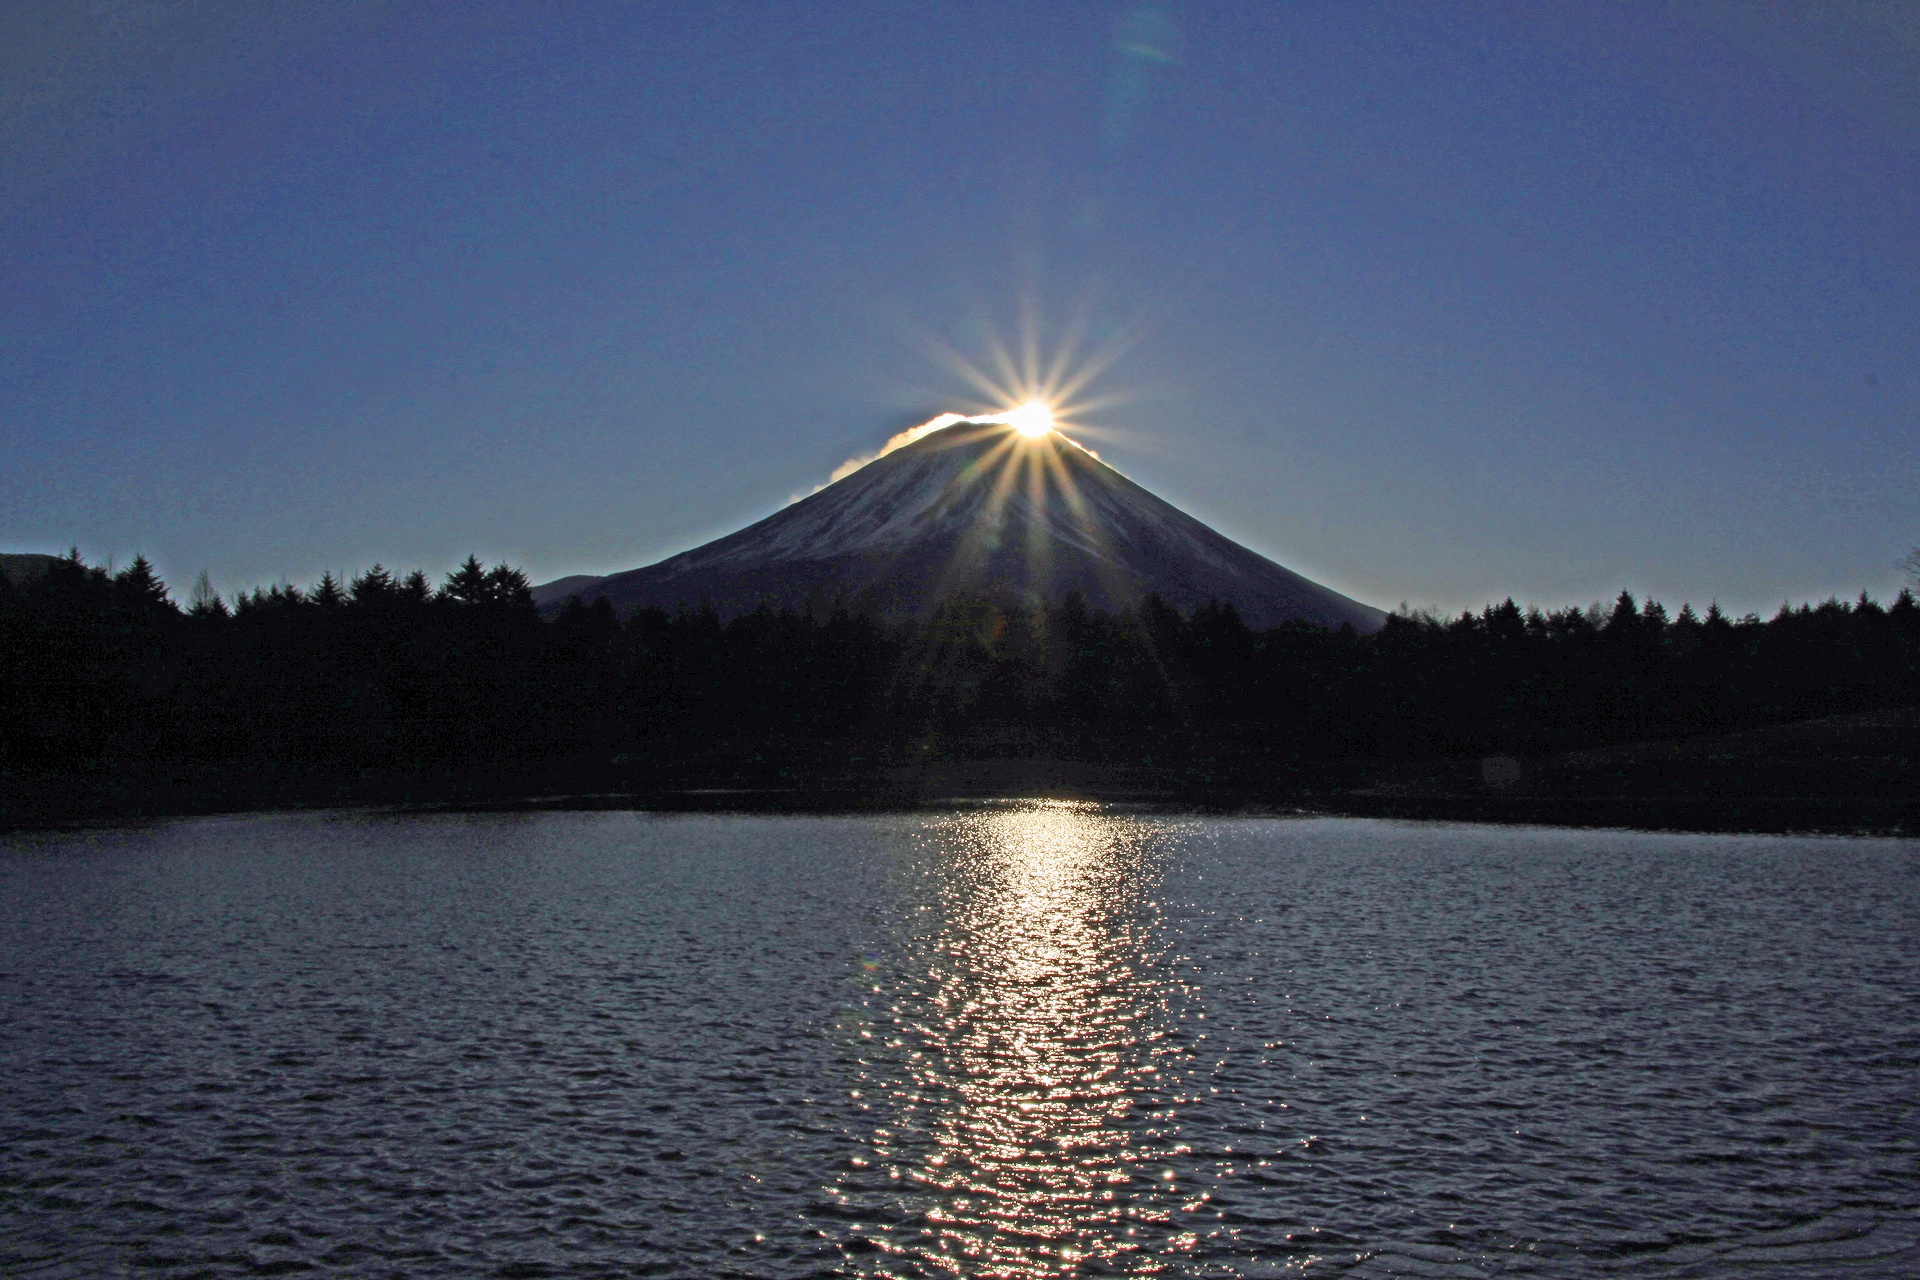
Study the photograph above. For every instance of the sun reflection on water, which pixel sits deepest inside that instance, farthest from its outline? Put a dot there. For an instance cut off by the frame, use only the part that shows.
(1029, 1029)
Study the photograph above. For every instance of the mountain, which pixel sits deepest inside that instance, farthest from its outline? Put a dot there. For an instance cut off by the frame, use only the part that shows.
(22, 567)
(978, 508)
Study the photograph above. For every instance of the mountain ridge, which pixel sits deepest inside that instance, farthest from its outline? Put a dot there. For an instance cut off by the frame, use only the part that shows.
(974, 508)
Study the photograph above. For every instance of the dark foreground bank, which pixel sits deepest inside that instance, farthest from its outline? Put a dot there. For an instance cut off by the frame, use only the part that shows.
(118, 705)
(1838, 774)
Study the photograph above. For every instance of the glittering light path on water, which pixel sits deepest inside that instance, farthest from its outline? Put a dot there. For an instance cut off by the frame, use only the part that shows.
(1026, 1088)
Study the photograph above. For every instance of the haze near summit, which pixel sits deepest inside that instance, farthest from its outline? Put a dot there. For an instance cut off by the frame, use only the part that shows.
(1429, 303)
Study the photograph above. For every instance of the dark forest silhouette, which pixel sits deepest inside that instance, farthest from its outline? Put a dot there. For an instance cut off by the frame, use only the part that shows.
(104, 670)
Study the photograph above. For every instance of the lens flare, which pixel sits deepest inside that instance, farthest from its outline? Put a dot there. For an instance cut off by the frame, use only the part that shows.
(1032, 419)
(1048, 391)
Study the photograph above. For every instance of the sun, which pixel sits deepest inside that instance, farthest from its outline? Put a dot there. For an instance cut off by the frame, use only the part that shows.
(1032, 419)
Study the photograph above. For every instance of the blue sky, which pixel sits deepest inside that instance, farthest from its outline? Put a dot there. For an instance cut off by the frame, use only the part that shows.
(1435, 303)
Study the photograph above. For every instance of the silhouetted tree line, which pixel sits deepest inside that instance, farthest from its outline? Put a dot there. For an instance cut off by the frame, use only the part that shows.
(380, 670)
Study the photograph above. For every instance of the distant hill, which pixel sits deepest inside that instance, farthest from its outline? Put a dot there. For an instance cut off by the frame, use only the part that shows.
(975, 508)
(19, 568)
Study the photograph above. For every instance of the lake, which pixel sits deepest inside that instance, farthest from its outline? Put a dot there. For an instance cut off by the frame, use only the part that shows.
(1015, 1040)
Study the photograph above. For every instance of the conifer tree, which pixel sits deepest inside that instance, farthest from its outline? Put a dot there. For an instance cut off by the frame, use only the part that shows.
(206, 602)
(467, 584)
(373, 587)
(508, 586)
(140, 586)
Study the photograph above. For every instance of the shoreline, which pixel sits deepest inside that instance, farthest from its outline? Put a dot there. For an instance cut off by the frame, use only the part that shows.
(1863, 816)
(1841, 775)
(1835, 819)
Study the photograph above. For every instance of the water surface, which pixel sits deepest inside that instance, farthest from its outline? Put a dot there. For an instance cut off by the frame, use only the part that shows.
(1020, 1041)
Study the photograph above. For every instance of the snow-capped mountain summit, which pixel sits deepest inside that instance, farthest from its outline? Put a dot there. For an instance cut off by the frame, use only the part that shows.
(983, 509)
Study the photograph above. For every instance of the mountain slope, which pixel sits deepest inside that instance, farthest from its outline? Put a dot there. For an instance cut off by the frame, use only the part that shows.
(22, 567)
(975, 508)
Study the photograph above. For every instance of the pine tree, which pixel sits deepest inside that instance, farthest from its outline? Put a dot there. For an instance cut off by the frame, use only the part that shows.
(508, 586)
(373, 587)
(467, 584)
(140, 586)
(205, 600)
(1504, 621)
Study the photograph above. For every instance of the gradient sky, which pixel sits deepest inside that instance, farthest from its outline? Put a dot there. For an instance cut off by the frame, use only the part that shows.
(1435, 303)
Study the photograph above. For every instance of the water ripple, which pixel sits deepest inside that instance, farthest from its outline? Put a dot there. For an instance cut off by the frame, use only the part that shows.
(1034, 1040)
